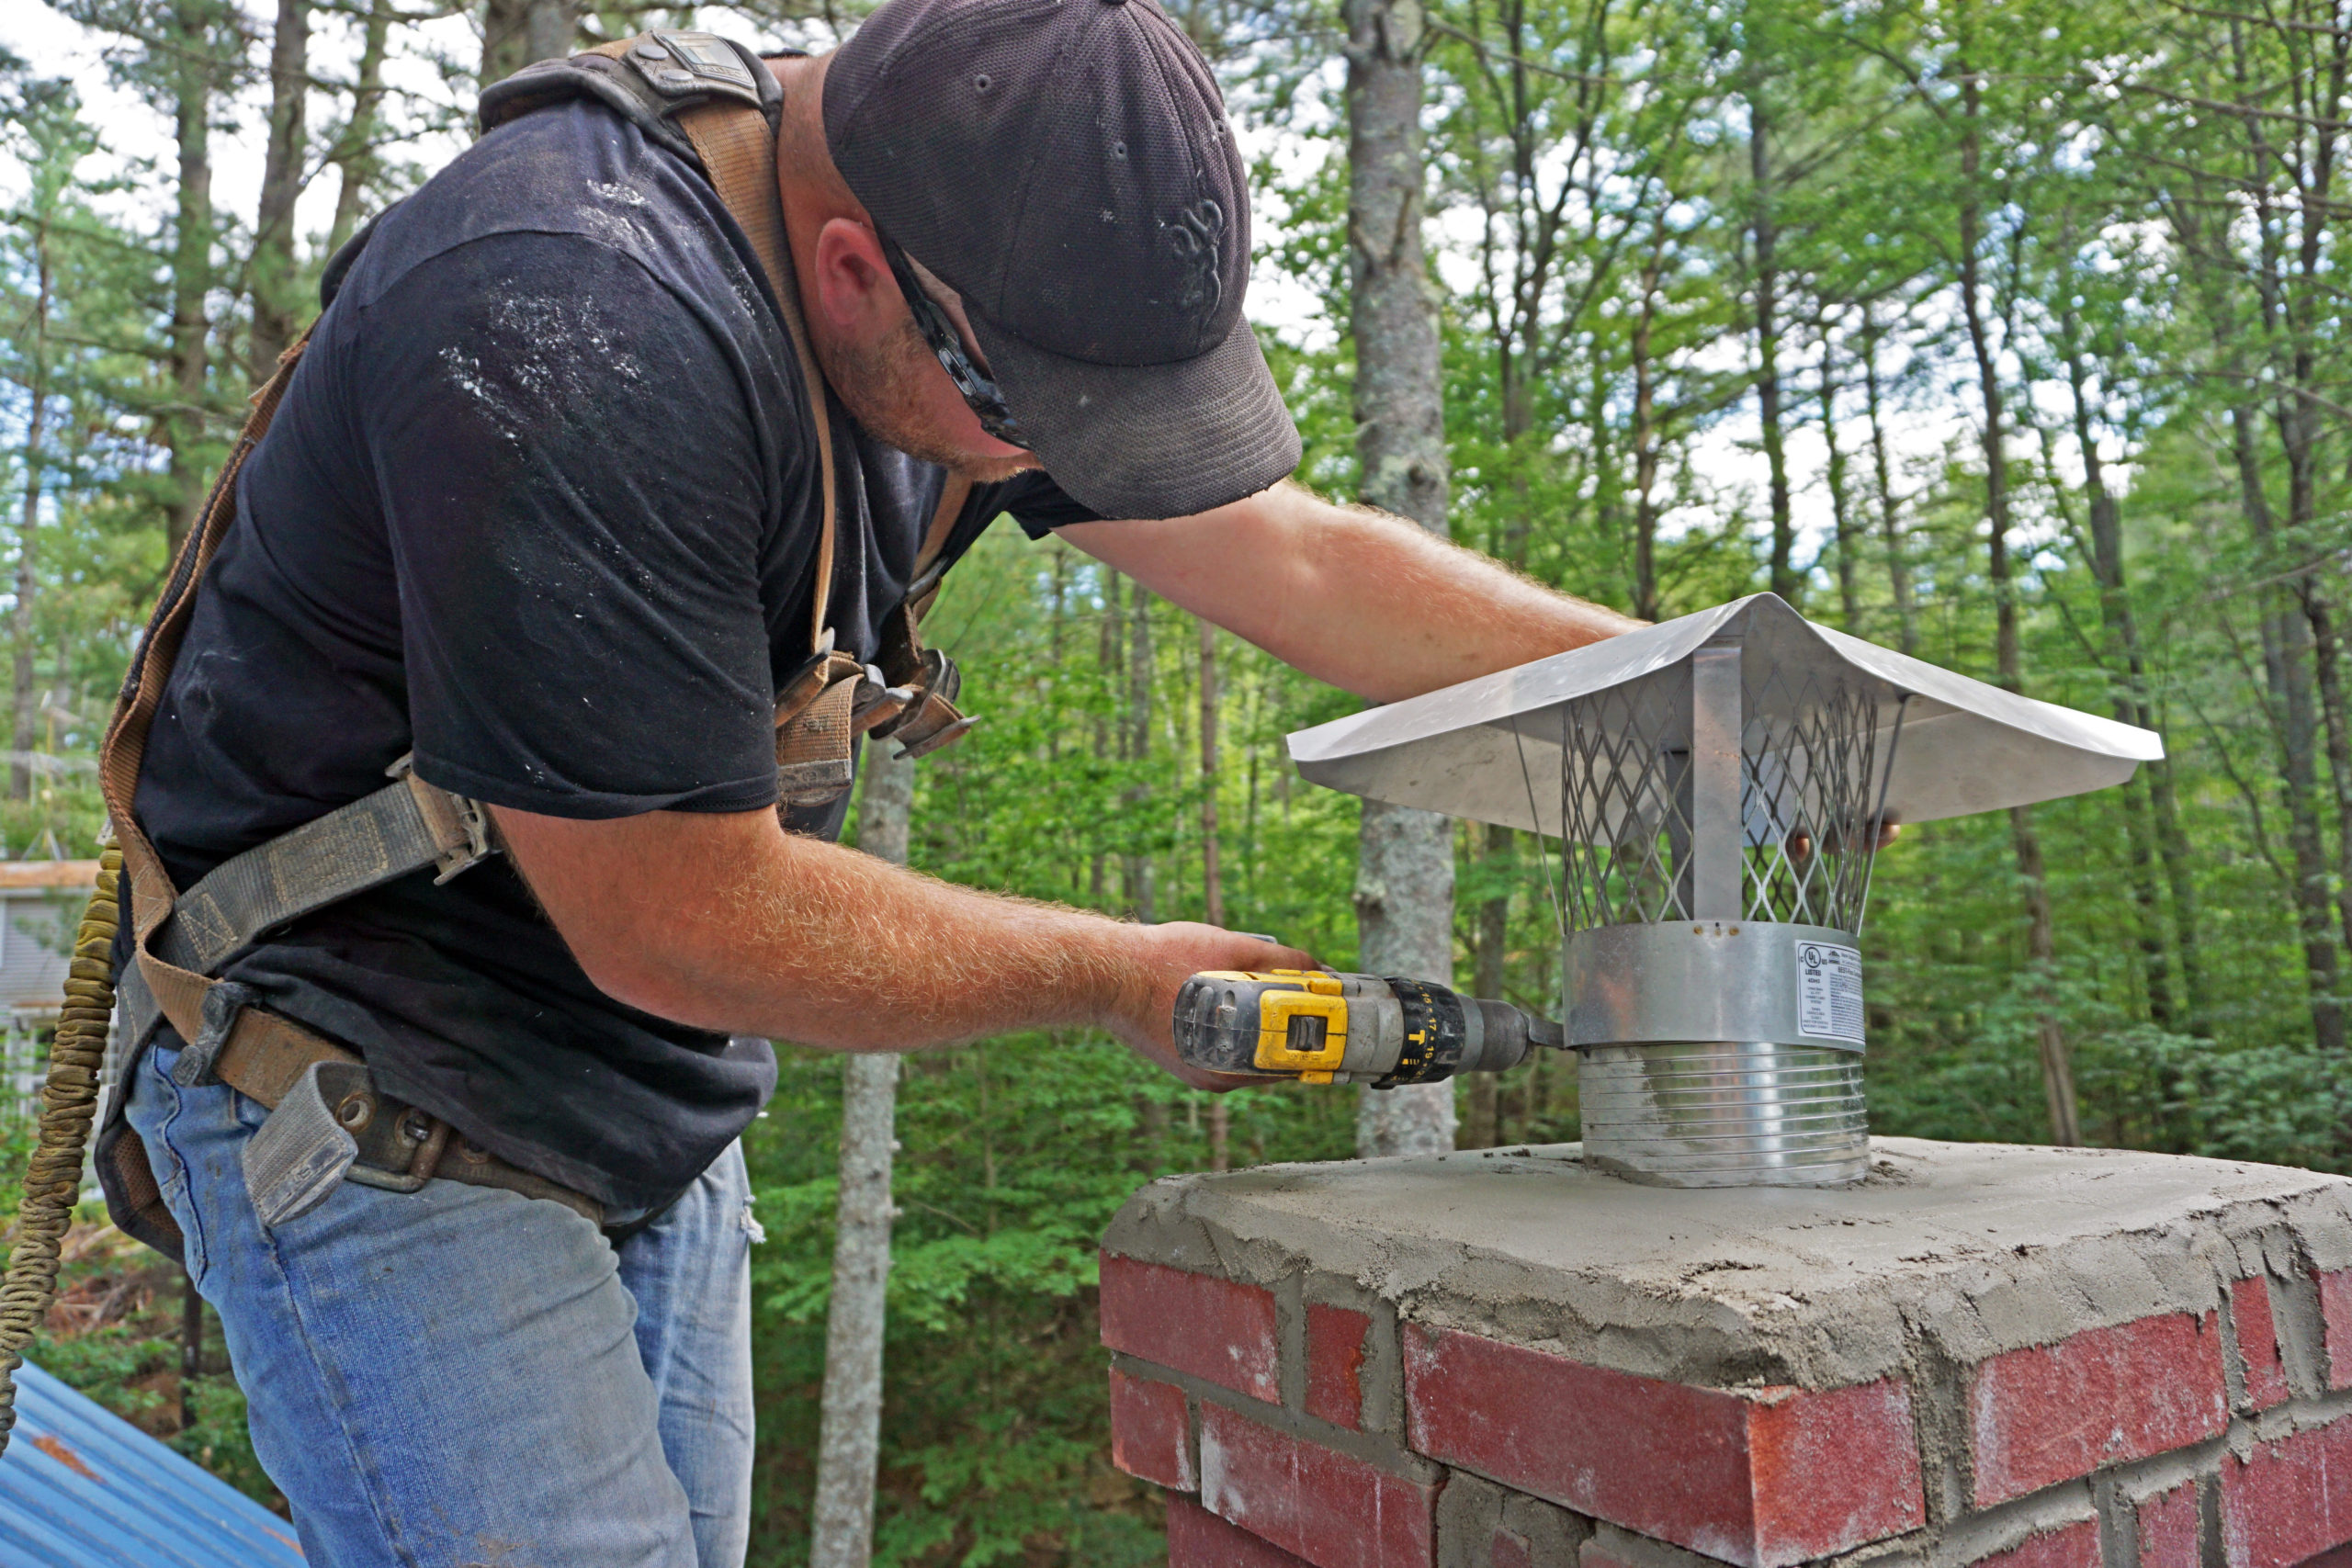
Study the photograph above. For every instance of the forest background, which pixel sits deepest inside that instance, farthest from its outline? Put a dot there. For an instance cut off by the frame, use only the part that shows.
(2006, 334)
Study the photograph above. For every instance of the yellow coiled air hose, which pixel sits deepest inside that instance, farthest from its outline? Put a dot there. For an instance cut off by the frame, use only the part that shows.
(54, 1178)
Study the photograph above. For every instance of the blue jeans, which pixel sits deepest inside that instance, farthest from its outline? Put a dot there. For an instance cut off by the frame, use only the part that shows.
(464, 1376)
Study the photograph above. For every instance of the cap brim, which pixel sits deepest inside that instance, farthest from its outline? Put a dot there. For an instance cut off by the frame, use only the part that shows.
(1129, 440)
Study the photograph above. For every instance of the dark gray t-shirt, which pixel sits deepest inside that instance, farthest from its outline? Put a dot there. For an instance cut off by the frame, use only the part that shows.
(542, 506)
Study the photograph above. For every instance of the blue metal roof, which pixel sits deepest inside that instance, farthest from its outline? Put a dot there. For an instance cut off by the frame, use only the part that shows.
(80, 1487)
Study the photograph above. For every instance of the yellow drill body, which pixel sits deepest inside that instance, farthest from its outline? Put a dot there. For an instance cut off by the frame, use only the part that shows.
(1321, 1028)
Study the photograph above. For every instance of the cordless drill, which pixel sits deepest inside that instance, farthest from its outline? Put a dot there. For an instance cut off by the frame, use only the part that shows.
(1319, 1028)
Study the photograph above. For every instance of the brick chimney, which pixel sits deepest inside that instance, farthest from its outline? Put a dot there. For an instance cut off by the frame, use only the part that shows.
(2022, 1357)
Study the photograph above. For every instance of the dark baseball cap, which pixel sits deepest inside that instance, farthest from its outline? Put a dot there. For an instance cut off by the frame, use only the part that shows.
(1065, 166)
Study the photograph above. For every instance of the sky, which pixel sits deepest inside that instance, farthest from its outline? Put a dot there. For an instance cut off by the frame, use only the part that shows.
(1728, 457)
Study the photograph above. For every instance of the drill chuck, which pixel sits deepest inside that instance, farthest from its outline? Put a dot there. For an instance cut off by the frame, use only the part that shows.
(1321, 1028)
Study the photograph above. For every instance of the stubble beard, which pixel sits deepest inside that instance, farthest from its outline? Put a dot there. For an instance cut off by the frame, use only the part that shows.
(882, 386)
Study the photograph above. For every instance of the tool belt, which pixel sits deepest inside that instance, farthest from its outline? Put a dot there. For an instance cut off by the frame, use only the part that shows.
(329, 1123)
(714, 102)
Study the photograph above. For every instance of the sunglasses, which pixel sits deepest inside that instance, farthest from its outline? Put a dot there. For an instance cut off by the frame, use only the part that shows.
(979, 393)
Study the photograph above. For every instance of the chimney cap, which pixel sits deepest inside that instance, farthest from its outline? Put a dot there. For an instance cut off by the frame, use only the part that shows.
(1489, 750)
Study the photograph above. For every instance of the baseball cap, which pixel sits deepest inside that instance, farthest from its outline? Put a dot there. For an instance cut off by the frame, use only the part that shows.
(1065, 166)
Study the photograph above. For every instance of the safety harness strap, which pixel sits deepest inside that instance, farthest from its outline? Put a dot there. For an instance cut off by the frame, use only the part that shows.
(835, 698)
(737, 147)
(402, 827)
(930, 721)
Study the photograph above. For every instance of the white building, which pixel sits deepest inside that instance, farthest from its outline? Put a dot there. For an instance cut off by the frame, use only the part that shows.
(40, 905)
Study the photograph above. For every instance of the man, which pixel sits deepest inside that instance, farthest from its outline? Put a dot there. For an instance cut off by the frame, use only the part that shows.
(541, 508)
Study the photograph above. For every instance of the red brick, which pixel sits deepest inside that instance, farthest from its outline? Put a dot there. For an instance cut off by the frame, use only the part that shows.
(2288, 1500)
(1333, 1510)
(1199, 1324)
(1151, 1436)
(2072, 1546)
(2266, 1373)
(2168, 1528)
(2336, 1308)
(2107, 1396)
(1762, 1478)
(1510, 1550)
(1198, 1539)
(1335, 1340)
(2340, 1558)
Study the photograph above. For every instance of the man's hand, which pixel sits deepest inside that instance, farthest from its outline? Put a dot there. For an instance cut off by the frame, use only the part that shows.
(1369, 603)
(727, 922)
(1169, 956)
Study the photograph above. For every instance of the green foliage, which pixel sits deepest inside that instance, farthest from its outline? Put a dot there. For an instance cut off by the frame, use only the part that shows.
(1014, 1156)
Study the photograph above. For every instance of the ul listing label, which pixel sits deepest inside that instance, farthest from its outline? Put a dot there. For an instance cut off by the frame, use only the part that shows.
(1829, 991)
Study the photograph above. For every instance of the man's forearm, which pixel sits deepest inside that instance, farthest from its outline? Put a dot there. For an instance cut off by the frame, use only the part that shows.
(1369, 603)
(807, 941)
(725, 923)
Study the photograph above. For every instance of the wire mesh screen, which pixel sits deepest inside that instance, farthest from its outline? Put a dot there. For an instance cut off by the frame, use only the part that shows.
(1812, 764)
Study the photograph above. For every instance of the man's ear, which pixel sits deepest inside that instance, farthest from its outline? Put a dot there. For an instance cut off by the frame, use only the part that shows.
(854, 289)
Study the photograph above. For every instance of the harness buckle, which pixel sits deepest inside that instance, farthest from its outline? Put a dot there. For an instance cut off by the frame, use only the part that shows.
(474, 822)
(462, 826)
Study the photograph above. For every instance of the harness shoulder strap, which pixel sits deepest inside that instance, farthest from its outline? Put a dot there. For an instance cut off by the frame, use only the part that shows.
(835, 699)
(651, 80)
(738, 151)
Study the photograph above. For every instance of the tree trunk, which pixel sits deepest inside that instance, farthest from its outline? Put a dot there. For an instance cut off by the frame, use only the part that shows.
(505, 38)
(2287, 674)
(2129, 697)
(1765, 235)
(275, 290)
(1212, 872)
(514, 33)
(2310, 310)
(1890, 515)
(548, 30)
(1645, 432)
(1483, 1127)
(1404, 867)
(2327, 662)
(1141, 885)
(2286, 635)
(1212, 867)
(192, 268)
(26, 712)
(2057, 1068)
(2173, 848)
(1848, 605)
(1110, 734)
(2057, 1061)
(849, 1427)
(191, 1347)
(355, 151)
